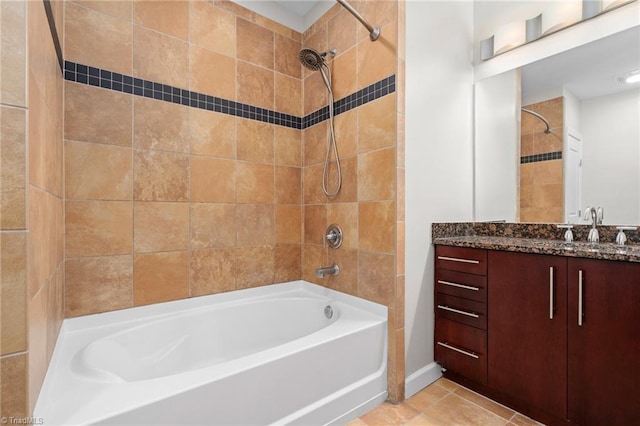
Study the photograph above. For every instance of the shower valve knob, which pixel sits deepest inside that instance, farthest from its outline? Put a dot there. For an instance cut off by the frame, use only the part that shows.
(333, 236)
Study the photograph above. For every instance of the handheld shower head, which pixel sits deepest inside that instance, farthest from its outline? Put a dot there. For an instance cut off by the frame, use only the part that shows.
(313, 60)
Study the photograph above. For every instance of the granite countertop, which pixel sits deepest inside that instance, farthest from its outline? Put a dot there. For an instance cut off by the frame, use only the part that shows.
(543, 244)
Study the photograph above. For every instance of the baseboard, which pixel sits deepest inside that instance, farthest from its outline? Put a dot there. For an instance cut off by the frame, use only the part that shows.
(422, 378)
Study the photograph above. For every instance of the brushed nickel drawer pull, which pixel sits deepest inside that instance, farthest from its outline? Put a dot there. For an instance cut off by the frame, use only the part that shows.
(472, 355)
(580, 307)
(457, 311)
(551, 292)
(457, 259)
(466, 287)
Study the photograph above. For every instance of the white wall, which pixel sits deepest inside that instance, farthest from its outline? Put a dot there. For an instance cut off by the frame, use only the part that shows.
(439, 158)
(497, 147)
(611, 155)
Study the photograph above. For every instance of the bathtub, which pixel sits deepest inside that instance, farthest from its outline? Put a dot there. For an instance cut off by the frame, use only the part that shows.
(291, 353)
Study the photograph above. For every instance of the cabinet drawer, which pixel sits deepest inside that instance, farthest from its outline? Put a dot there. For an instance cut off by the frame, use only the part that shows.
(460, 284)
(463, 259)
(464, 311)
(462, 349)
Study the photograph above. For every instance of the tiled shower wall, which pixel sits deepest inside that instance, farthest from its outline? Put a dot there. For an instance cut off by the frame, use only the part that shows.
(31, 236)
(369, 259)
(165, 201)
(541, 172)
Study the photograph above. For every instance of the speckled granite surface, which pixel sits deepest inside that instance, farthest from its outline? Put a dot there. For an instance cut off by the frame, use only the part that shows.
(537, 238)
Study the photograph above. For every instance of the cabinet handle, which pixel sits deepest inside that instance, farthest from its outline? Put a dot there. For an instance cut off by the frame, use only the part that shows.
(472, 355)
(580, 313)
(457, 259)
(457, 311)
(551, 292)
(466, 287)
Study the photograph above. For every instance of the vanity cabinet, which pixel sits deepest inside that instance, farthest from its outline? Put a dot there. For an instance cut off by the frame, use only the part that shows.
(527, 351)
(461, 319)
(556, 337)
(604, 342)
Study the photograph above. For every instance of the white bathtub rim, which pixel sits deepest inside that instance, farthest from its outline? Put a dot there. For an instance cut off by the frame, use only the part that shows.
(193, 379)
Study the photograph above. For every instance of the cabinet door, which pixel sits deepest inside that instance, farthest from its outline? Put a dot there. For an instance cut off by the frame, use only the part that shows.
(527, 329)
(604, 351)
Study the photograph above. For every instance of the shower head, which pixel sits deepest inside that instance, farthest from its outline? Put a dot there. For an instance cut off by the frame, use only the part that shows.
(313, 60)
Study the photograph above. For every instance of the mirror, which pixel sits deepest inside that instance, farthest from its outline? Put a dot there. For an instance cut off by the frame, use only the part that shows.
(592, 155)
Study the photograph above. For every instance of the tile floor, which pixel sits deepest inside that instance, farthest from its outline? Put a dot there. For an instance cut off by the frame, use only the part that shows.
(443, 403)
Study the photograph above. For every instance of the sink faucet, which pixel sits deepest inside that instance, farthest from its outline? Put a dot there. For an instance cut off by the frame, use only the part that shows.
(596, 216)
(327, 270)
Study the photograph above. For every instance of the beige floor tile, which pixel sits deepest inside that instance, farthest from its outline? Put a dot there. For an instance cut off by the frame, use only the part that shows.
(356, 422)
(446, 384)
(487, 404)
(454, 410)
(520, 420)
(427, 397)
(420, 420)
(389, 414)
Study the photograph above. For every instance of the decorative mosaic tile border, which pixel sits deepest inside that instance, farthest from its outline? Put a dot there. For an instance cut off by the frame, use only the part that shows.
(106, 79)
(557, 155)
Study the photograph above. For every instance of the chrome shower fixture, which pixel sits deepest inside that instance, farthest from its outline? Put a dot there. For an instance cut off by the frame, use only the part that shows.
(535, 114)
(313, 60)
(374, 32)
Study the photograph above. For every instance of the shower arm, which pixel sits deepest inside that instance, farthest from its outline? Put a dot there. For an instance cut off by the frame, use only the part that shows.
(374, 32)
(535, 114)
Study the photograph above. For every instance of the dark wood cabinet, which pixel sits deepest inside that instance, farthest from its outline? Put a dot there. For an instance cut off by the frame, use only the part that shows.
(527, 328)
(604, 348)
(555, 337)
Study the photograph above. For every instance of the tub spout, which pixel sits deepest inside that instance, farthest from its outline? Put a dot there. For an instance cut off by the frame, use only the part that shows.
(327, 270)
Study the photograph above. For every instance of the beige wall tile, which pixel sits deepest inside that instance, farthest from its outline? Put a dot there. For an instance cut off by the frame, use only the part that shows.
(212, 73)
(347, 280)
(55, 308)
(255, 85)
(237, 9)
(288, 185)
(212, 271)
(400, 241)
(213, 225)
(160, 277)
(547, 195)
(97, 115)
(345, 127)
(171, 218)
(98, 172)
(13, 45)
(160, 125)
(213, 180)
(376, 175)
(288, 224)
(286, 56)
(169, 17)
(377, 277)
(315, 143)
(98, 284)
(342, 31)
(12, 167)
(212, 28)
(350, 178)
(159, 57)
(254, 266)
(13, 386)
(288, 95)
(13, 282)
(41, 239)
(314, 256)
(377, 124)
(255, 141)
(212, 134)
(119, 9)
(255, 224)
(346, 216)
(288, 148)
(95, 228)
(526, 196)
(526, 144)
(312, 185)
(377, 60)
(37, 337)
(543, 143)
(400, 196)
(255, 43)
(255, 183)
(288, 259)
(344, 74)
(315, 93)
(160, 176)
(97, 39)
(315, 224)
(372, 219)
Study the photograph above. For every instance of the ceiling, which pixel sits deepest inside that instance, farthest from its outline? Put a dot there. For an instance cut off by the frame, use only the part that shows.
(296, 14)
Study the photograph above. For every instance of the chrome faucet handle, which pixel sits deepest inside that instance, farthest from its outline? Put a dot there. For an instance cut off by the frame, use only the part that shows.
(588, 213)
(621, 238)
(593, 237)
(600, 215)
(568, 234)
(333, 236)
